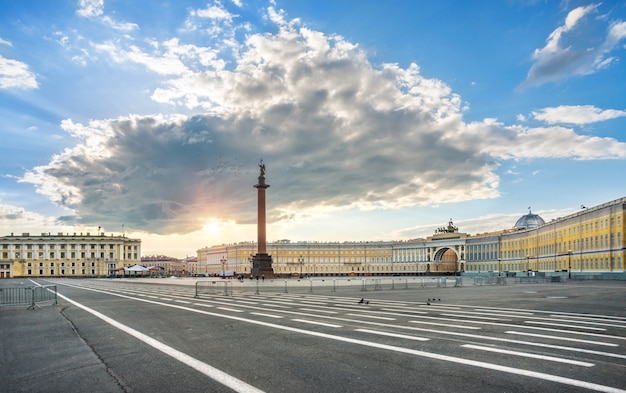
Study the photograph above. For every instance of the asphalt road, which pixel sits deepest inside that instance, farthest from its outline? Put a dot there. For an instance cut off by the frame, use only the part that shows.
(156, 336)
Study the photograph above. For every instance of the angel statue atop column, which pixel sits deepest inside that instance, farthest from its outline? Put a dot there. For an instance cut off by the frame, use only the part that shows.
(262, 168)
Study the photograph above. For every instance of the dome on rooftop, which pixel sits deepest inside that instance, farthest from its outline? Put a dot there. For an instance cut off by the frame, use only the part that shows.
(529, 221)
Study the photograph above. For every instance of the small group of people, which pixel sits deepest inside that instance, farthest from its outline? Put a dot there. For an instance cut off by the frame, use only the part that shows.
(240, 277)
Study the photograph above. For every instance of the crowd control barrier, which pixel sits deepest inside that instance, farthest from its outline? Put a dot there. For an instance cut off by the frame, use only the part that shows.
(31, 296)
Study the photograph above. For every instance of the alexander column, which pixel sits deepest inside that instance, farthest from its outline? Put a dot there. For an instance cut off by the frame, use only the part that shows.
(261, 262)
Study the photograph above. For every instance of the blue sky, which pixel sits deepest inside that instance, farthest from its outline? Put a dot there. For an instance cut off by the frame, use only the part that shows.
(375, 120)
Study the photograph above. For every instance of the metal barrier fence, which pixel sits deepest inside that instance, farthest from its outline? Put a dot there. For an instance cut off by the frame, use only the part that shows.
(489, 280)
(28, 295)
(330, 285)
(502, 280)
(532, 280)
(380, 284)
(224, 287)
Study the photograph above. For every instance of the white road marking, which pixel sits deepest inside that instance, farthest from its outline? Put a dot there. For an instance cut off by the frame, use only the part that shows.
(509, 312)
(592, 321)
(392, 334)
(210, 371)
(371, 316)
(246, 302)
(316, 323)
(562, 338)
(562, 331)
(447, 325)
(410, 311)
(267, 315)
(452, 359)
(529, 355)
(316, 310)
(229, 309)
(565, 325)
(475, 317)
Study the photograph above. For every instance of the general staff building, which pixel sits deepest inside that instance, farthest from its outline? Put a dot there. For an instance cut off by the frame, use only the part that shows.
(589, 242)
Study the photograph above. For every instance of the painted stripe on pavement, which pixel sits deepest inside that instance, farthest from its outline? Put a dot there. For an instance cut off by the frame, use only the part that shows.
(316, 323)
(392, 334)
(210, 371)
(562, 338)
(528, 355)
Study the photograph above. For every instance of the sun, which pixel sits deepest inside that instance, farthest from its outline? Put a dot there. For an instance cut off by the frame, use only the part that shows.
(212, 226)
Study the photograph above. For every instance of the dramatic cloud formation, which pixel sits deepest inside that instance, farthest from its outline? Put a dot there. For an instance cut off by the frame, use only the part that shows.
(562, 58)
(334, 131)
(576, 114)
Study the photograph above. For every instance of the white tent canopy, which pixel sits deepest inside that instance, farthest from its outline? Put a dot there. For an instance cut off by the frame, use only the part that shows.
(136, 268)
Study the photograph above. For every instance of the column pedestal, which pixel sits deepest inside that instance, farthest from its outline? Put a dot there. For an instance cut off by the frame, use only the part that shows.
(262, 266)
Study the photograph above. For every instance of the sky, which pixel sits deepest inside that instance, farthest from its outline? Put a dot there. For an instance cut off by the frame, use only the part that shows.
(374, 120)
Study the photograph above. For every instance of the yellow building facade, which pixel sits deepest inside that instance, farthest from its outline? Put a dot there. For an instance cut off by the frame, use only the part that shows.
(590, 241)
(75, 255)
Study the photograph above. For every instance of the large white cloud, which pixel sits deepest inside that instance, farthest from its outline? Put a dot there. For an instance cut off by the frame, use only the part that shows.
(576, 114)
(581, 55)
(15, 74)
(334, 131)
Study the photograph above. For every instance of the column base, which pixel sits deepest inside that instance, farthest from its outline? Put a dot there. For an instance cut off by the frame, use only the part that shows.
(262, 266)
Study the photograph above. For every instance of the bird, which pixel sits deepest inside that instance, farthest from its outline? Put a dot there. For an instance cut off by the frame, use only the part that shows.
(361, 301)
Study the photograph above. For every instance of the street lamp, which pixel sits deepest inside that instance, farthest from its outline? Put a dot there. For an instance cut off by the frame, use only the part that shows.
(223, 260)
(569, 264)
(301, 261)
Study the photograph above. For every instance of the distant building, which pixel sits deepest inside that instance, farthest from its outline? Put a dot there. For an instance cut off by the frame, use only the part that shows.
(590, 241)
(169, 266)
(68, 255)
